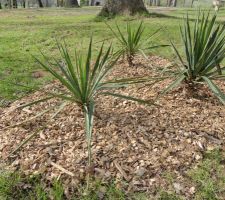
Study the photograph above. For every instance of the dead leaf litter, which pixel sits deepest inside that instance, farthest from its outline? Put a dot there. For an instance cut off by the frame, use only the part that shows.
(132, 143)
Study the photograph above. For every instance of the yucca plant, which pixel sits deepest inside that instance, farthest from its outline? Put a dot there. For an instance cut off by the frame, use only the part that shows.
(84, 81)
(133, 41)
(204, 49)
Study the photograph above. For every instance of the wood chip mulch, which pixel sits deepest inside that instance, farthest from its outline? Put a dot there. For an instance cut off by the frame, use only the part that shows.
(132, 143)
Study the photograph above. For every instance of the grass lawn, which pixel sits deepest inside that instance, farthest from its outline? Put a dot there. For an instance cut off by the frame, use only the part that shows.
(24, 32)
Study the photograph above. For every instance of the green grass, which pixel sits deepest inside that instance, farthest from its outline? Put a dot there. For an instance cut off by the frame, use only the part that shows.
(168, 196)
(15, 186)
(209, 177)
(24, 32)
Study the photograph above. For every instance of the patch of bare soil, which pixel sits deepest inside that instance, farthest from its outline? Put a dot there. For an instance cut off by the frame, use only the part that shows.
(132, 143)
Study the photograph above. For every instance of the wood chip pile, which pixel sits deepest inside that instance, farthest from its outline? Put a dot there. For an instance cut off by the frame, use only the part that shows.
(132, 143)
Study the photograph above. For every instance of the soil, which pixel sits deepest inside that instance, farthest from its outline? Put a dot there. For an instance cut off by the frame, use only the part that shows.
(132, 143)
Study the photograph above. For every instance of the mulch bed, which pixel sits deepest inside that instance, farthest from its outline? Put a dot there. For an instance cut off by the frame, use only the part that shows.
(132, 143)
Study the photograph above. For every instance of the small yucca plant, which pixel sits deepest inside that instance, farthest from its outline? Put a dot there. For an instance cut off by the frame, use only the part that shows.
(133, 41)
(84, 82)
(204, 48)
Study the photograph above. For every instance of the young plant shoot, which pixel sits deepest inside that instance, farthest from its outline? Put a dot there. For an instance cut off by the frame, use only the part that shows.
(133, 41)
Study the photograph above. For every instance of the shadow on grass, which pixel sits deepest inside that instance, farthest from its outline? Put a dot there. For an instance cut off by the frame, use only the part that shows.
(102, 18)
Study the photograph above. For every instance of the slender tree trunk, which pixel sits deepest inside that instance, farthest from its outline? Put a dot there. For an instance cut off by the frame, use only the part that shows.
(115, 7)
(40, 4)
(0, 5)
(154, 2)
(150, 2)
(26, 3)
(60, 3)
(23, 4)
(14, 3)
(91, 3)
(71, 3)
(158, 2)
(174, 3)
(9, 4)
(169, 3)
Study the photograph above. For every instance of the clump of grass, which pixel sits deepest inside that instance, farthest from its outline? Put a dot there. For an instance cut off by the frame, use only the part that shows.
(39, 193)
(57, 190)
(98, 190)
(209, 177)
(14, 185)
(8, 184)
(168, 196)
(204, 48)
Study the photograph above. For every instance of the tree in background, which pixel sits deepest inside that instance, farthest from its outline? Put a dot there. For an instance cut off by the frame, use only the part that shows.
(154, 2)
(115, 7)
(14, 3)
(71, 3)
(172, 3)
(84, 3)
(40, 4)
(23, 4)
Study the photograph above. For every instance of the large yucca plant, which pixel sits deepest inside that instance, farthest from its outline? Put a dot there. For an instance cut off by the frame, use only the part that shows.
(204, 49)
(133, 41)
(84, 81)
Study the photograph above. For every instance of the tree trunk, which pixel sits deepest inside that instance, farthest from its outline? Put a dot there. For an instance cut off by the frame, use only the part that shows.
(26, 3)
(14, 3)
(154, 2)
(169, 3)
(71, 3)
(174, 3)
(23, 4)
(115, 7)
(9, 4)
(91, 3)
(157, 2)
(40, 4)
(150, 2)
